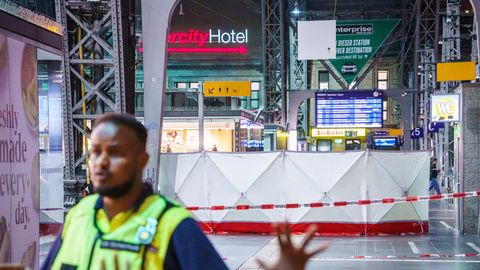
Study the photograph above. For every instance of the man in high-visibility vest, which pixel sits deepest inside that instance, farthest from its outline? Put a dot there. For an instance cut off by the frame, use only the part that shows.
(125, 219)
(126, 226)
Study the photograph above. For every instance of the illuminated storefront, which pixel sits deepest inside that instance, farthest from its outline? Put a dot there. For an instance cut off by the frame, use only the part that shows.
(236, 132)
(336, 140)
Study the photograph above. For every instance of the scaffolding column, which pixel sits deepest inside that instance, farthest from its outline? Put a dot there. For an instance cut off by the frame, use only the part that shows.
(298, 68)
(273, 24)
(99, 76)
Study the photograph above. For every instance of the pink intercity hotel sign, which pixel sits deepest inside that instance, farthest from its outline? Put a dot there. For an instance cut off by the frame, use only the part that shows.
(211, 41)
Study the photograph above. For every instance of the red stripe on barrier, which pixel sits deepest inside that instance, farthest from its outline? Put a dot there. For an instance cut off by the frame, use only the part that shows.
(323, 228)
(316, 204)
(424, 255)
(359, 257)
(50, 228)
(341, 203)
(268, 206)
(218, 207)
(388, 200)
(436, 197)
(459, 195)
(411, 199)
(292, 205)
(52, 209)
(243, 207)
(478, 193)
(193, 208)
(471, 255)
(364, 202)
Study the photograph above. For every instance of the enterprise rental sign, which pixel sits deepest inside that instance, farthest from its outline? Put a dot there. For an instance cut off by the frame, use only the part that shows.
(348, 109)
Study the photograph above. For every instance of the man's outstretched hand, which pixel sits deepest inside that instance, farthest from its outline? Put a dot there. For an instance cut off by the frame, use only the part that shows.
(292, 257)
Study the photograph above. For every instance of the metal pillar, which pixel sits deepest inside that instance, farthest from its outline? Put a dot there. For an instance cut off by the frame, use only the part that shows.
(98, 68)
(274, 60)
(450, 52)
(427, 87)
(445, 143)
(424, 65)
(298, 69)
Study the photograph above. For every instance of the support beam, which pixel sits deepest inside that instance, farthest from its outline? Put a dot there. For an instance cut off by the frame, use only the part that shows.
(98, 70)
(273, 23)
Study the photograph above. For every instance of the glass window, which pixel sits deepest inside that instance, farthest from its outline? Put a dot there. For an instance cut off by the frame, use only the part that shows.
(323, 79)
(382, 85)
(254, 94)
(181, 85)
(385, 110)
(382, 75)
(255, 86)
(244, 103)
(382, 79)
(194, 85)
(255, 104)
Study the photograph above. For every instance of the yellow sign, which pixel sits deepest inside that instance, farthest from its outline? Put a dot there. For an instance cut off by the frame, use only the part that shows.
(456, 71)
(445, 108)
(354, 132)
(227, 89)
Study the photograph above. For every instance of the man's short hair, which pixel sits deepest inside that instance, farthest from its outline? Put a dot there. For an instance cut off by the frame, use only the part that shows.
(126, 120)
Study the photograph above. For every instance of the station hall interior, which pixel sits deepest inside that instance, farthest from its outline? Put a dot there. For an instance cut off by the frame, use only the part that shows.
(359, 117)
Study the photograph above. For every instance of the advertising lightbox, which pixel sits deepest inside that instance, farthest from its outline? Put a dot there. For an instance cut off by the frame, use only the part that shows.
(445, 108)
(19, 153)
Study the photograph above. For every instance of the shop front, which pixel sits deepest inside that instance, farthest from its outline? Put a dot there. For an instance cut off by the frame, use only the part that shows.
(221, 133)
(338, 140)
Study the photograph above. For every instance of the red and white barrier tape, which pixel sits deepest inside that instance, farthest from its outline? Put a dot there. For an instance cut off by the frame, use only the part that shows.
(242, 207)
(387, 257)
(427, 255)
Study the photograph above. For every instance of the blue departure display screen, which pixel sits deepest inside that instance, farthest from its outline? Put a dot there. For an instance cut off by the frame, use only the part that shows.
(385, 142)
(349, 109)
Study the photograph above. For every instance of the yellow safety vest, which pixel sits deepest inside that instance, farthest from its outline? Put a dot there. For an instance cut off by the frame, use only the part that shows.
(88, 237)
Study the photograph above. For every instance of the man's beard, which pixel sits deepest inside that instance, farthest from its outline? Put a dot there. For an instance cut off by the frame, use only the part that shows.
(116, 191)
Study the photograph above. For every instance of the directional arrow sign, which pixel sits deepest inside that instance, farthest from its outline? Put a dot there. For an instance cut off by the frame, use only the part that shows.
(234, 50)
(227, 89)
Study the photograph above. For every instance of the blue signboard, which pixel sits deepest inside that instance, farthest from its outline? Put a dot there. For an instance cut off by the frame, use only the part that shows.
(416, 133)
(380, 133)
(385, 142)
(434, 127)
(348, 109)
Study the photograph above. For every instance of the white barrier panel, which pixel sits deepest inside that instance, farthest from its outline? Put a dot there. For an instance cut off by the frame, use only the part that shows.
(213, 178)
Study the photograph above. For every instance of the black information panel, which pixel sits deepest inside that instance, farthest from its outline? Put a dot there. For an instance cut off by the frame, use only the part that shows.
(349, 109)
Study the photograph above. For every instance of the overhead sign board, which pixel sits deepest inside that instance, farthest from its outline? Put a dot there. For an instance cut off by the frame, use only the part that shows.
(445, 108)
(357, 42)
(227, 89)
(456, 71)
(316, 40)
(355, 132)
(355, 109)
(31, 16)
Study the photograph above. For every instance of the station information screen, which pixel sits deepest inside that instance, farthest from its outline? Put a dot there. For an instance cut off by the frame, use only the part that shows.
(348, 109)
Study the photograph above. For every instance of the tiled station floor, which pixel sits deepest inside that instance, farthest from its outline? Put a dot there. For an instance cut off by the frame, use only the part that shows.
(239, 251)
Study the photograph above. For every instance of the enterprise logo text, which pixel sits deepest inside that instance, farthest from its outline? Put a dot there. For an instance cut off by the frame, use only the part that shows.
(363, 29)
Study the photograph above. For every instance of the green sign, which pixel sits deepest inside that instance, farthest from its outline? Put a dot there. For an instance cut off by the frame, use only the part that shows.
(357, 42)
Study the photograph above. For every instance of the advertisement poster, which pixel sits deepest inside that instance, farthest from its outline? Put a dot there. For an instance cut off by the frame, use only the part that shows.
(357, 42)
(19, 157)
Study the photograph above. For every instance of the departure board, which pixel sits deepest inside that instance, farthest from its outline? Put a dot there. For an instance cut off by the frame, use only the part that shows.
(349, 109)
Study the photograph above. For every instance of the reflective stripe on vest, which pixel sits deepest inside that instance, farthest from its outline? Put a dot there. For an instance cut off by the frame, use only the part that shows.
(80, 238)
